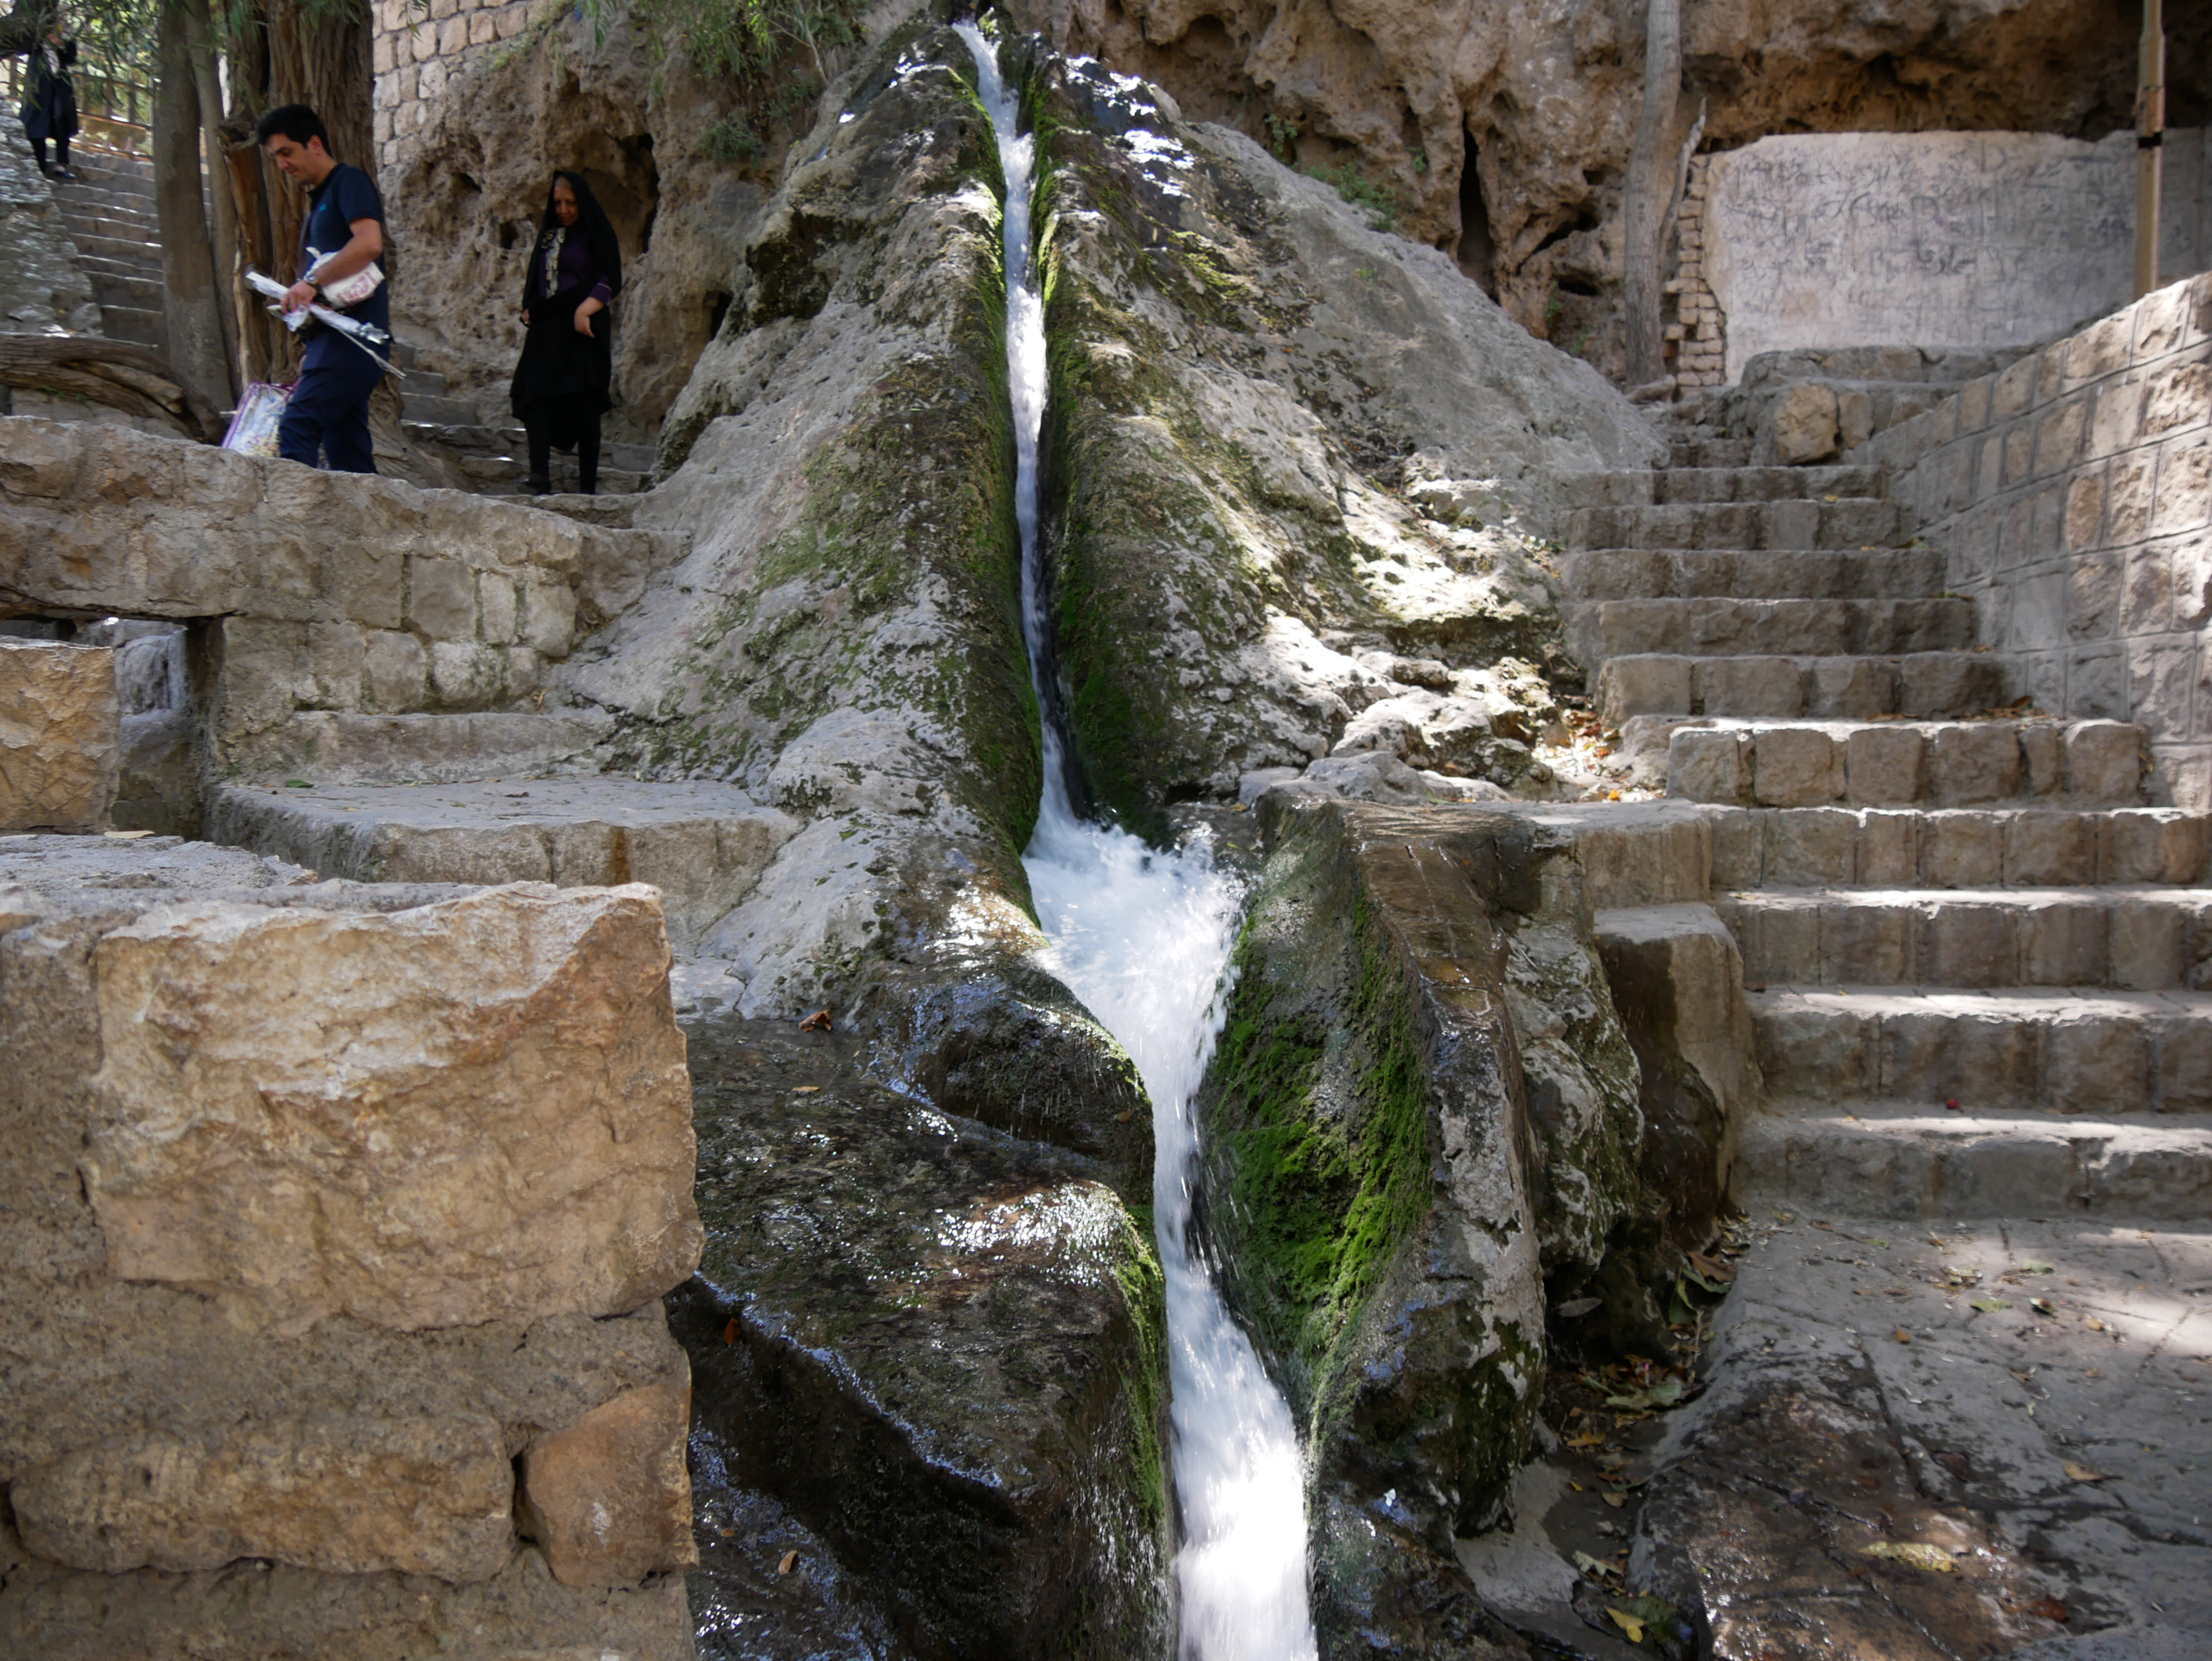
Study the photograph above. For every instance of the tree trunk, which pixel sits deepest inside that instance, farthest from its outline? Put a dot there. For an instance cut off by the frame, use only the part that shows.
(190, 301)
(223, 239)
(267, 350)
(1650, 186)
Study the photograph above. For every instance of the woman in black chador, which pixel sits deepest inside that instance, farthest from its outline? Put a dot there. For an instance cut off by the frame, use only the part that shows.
(563, 384)
(50, 109)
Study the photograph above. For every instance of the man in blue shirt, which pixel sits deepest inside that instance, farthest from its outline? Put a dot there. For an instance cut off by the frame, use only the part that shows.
(327, 414)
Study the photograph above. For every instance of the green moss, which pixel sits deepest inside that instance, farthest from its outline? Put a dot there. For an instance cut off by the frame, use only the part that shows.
(1323, 1129)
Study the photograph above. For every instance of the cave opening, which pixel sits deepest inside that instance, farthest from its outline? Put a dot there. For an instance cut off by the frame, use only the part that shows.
(1477, 251)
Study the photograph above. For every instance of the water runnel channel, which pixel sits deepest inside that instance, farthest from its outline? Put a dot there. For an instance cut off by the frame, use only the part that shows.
(1143, 937)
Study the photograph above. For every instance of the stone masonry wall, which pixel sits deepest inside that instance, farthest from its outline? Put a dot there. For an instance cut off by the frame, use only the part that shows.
(2072, 494)
(329, 605)
(418, 50)
(338, 1217)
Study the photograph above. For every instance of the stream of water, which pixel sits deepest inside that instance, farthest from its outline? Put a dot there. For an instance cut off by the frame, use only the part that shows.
(1143, 938)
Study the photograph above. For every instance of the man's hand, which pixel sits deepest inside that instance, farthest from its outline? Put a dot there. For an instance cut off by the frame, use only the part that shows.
(300, 297)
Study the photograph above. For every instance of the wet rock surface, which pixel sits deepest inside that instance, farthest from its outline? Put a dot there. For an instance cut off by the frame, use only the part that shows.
(1940, 1440)
(2027, 1400)
(927, 1359)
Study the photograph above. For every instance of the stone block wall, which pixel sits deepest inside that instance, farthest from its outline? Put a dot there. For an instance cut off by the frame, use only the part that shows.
(1697, 336)
(328, 604)
(338, 1218)
(60, 739)
(419, 49)
(2072, 494)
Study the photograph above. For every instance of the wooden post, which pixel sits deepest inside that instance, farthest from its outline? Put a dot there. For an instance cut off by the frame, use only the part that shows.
(1650, 170)
(2150, 140)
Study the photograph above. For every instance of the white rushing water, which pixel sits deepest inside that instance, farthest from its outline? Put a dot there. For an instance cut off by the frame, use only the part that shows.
(1143, 938)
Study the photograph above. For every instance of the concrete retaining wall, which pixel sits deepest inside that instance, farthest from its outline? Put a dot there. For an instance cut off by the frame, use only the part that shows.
(1942, 240)
(2072, 494)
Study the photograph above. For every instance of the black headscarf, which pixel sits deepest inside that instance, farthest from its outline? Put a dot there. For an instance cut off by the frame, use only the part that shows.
(591, 224)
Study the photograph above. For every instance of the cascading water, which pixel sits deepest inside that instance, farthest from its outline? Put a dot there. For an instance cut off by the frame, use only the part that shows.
(1143, 938)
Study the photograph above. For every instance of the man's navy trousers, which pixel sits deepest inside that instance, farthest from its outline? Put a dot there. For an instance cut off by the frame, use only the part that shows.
(328, 413)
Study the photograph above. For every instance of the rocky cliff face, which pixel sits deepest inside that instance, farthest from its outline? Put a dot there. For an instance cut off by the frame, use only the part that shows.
(1499, 130)
(466, 201)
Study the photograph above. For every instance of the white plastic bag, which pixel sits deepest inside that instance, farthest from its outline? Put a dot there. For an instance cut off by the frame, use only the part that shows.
(252, 429)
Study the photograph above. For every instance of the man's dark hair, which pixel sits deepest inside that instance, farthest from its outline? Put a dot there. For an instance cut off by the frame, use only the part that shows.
(296, 122)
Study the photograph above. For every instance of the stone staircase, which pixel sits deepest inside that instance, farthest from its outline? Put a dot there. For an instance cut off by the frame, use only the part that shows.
(1977, 962)
(109, 209)
(495, 459)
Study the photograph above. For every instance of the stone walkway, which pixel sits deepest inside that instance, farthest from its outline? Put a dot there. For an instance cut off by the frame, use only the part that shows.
(2028, 1398)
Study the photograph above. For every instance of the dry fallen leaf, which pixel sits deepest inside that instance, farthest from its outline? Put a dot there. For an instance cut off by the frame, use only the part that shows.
(2093, 1322)
(1915, 1555)
(806, 1089)
(817, 1022)
(790, 1562)
(2043, 1305)
(1123, 1118)
(1989, 1306)
(1614, 1500)
(729, 1332)
(1628, 1624)
(2048, 1608)
(1902, 1335)
(2083, 1473)
(1593, 1439)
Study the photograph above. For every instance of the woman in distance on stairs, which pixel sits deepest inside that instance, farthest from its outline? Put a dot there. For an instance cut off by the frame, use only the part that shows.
(563, 383)
(49, 110)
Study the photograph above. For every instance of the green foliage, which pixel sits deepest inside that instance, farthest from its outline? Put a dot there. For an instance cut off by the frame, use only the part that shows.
(733, 139)
(1554, 306)
(1379, 202)
(1282, 138)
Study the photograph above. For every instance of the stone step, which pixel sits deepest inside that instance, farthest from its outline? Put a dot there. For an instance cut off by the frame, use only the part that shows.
(504, 475)
(2076, 1051)
(615, 511)
(703, 845)
(1710, 453)
(99, 267)
(134, 323)
(424, 407)
(1715, 627)
(2133, 937)
(338, 747)
(141, 293)
(1752, 573)
(125, 228)
(1656, 486)
(122, 249)
(1846, 522)
(1921, 684)
(1907, 763)
(1957, 848)
(1912, 1160)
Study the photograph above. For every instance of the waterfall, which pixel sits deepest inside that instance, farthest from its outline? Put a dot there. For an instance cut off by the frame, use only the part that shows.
(1144, 937)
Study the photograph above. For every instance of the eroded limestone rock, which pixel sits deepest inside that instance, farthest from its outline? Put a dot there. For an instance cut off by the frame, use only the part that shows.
(60, 742)
(1246, 378)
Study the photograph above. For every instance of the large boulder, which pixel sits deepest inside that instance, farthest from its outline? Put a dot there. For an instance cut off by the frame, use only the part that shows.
(937, 1350)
